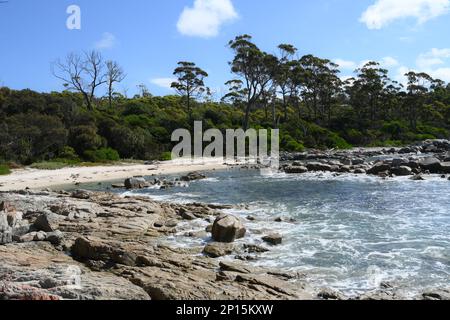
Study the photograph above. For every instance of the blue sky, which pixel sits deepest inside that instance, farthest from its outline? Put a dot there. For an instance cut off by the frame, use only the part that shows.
(148, 37)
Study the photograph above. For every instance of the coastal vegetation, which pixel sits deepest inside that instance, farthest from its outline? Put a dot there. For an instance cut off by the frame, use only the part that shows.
(302, 95)
(4, 170)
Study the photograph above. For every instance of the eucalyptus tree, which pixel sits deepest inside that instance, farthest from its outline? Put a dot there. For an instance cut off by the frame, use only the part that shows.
(82, 73)
(190, 82)
(284, 74)
(372, 81)
(321, 85)
(418, 88)
(250, 65)
(114, 74)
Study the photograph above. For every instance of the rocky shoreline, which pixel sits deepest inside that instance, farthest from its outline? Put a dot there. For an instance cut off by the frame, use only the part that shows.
(99, 246)
(428, 157)
(89, 246)
(86, 245)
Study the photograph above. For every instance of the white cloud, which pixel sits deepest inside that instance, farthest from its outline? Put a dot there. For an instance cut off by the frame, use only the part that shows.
(433, 58)
(433, 62)
(163, 82)
(386, 62)
(107, 41)
(389, 62)
(400, 75)
(346, 64)
(441, 73)
(384, 12)
(206, 17)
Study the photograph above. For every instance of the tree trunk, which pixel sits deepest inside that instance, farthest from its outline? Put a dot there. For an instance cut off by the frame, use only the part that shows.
(247, 116)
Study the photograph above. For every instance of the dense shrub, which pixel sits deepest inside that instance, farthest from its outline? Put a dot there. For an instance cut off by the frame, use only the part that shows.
(102, 155)
(4, 169)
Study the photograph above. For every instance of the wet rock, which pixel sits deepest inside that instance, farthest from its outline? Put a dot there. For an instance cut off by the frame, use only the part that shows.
(296, 169)
(228, 228)
(345, 169)
(217, 250)
(437, 295)
(251, 248)
(135, 183)
(418, 178)
(273, 239)
(401, 171)
(193, 176)
(318, 166)
(81, 194)
(445, 167)
(329, 294)
(379, 168)
(187, 215)
(431, 164)
(360, 171)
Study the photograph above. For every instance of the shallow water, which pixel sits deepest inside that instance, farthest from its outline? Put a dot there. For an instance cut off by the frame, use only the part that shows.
(351, 232)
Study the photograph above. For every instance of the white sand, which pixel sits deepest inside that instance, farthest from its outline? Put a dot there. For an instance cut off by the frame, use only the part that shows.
(41, 179)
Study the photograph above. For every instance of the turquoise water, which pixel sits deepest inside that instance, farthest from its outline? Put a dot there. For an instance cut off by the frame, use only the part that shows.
(352, 233)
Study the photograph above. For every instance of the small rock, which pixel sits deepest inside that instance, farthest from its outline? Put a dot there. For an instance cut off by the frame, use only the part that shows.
(55, 238)
(40, 236)
(135, 183)
(251, 248)
(217, 250)
(193, 176)
(329, 294)
(273, 239)
(27, 237)
(81, 194)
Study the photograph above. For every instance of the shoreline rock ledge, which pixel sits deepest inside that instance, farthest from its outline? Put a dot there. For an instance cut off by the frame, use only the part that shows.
(108, 247)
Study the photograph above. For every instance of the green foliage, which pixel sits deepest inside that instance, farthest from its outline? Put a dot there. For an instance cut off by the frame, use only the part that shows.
(69, 153)
(102, 155)
(166, 156)
(49, 165)
(4, 170)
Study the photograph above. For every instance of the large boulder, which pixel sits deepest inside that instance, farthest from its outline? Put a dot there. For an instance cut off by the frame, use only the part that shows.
(135, 183)
(445, 167)
(47, 222)
(193, 176)
(379, 168)
(431, 164)
(228, 228)
(401, 171)
(318, 166)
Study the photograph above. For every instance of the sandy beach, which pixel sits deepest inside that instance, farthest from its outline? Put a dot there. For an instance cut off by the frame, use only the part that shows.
(39, 179)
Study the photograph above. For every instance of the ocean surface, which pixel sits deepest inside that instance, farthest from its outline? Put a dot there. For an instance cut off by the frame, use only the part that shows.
(351, 233)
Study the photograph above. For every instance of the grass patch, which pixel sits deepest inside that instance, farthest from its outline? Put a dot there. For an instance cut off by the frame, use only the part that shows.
(49, 165)
(4, 170)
